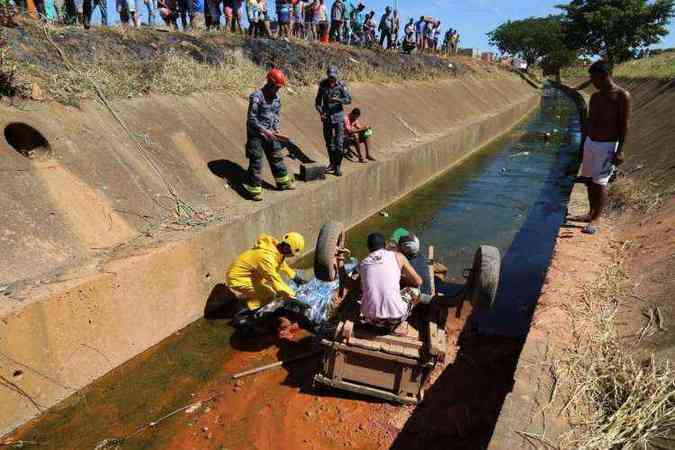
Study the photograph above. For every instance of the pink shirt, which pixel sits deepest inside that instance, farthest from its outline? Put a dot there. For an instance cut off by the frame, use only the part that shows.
(380, 275)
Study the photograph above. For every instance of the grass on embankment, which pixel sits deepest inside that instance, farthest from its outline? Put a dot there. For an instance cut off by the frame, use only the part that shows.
(130, 63)
(659, 67)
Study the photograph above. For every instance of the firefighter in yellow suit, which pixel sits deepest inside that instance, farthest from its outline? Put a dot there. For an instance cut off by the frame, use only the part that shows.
(254, 278)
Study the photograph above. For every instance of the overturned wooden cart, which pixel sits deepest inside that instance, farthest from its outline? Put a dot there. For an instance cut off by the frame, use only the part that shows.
(395, 366)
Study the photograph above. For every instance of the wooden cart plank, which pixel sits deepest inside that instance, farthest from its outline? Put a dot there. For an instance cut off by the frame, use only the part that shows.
(365, 390)
(348, 348)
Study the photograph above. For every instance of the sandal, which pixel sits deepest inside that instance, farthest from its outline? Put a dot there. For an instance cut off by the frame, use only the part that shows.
(589, 229)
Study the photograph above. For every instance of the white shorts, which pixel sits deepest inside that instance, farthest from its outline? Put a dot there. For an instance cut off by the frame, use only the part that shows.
(597, 162)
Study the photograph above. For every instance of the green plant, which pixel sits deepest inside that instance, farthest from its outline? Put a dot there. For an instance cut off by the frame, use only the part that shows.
(616, 29)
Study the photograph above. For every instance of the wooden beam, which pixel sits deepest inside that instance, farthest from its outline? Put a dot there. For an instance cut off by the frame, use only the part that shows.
(365, 390)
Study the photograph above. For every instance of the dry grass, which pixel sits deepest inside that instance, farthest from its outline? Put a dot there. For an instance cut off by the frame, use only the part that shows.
(660, 67)
(131, 63)
(615, 401)
(638, 194)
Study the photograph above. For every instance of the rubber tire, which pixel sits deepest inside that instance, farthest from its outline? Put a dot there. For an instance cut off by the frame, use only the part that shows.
(484, 280)
(331, 236)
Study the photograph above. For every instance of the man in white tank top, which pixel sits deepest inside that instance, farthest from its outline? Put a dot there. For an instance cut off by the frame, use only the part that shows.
(381, 274)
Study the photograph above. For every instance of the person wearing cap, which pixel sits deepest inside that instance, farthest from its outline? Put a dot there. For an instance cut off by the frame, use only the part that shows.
(255, 277)
(604, 134)
(386, 27)
(331, 98)
(356, 134)
(406, 243)
(263, 137)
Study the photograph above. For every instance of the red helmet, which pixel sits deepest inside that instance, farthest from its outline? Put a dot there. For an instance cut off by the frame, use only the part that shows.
(276, 77)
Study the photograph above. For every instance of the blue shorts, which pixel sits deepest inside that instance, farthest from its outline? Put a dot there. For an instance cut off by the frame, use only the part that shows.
(284, 17)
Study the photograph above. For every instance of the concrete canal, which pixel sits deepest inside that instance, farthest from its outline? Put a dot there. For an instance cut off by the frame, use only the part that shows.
(512, 194)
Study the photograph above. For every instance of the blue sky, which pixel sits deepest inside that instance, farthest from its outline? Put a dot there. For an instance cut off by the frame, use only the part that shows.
(473, 18)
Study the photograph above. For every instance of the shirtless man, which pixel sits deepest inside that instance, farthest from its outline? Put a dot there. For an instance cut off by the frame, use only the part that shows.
(604, 135)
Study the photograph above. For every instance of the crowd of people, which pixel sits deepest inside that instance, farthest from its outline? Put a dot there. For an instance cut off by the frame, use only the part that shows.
(313, 20)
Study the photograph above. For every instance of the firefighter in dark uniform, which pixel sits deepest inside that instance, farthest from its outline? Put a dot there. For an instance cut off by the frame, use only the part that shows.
(263, 137)
(330, 100)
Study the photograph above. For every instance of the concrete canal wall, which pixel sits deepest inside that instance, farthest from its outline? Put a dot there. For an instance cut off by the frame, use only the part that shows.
(93, 271)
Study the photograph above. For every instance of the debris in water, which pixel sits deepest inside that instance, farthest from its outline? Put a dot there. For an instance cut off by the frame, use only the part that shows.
(517, 154)
(193, 408)
(384, 213)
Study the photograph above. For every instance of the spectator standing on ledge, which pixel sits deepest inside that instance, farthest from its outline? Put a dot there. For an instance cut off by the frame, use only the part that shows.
(253, 14)
(88, 9)
(213, 7)
(330, 100)
(397, 27)
(356, 19)
(369, 29)
(437, 35)
(151, 6)
(346, 36)
(429, 35)
(264, 20)
(420, 33)
(186, 13)
(337, 17)
(386, 27)
(323, 21)
(604, 133)
(262, 130)
(299, 19)
(311, 20)
(284, 18)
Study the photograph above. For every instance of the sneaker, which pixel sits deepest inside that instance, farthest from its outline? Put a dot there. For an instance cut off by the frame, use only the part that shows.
(330, 169)
(371, 158)
(338, 172)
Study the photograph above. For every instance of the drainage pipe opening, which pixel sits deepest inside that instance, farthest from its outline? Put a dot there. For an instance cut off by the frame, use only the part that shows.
(26, 140)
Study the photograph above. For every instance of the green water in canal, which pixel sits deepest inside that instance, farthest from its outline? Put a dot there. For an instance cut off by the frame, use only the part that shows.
(512, 194)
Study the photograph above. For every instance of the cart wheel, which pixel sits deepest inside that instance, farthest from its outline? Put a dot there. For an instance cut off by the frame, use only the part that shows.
(331, 237)
(483, 281)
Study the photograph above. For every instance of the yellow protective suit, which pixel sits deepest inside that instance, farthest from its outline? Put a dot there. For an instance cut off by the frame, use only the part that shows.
(255, 273)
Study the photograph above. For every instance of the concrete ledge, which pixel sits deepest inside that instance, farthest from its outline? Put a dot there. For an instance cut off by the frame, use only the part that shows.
(66, 334)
